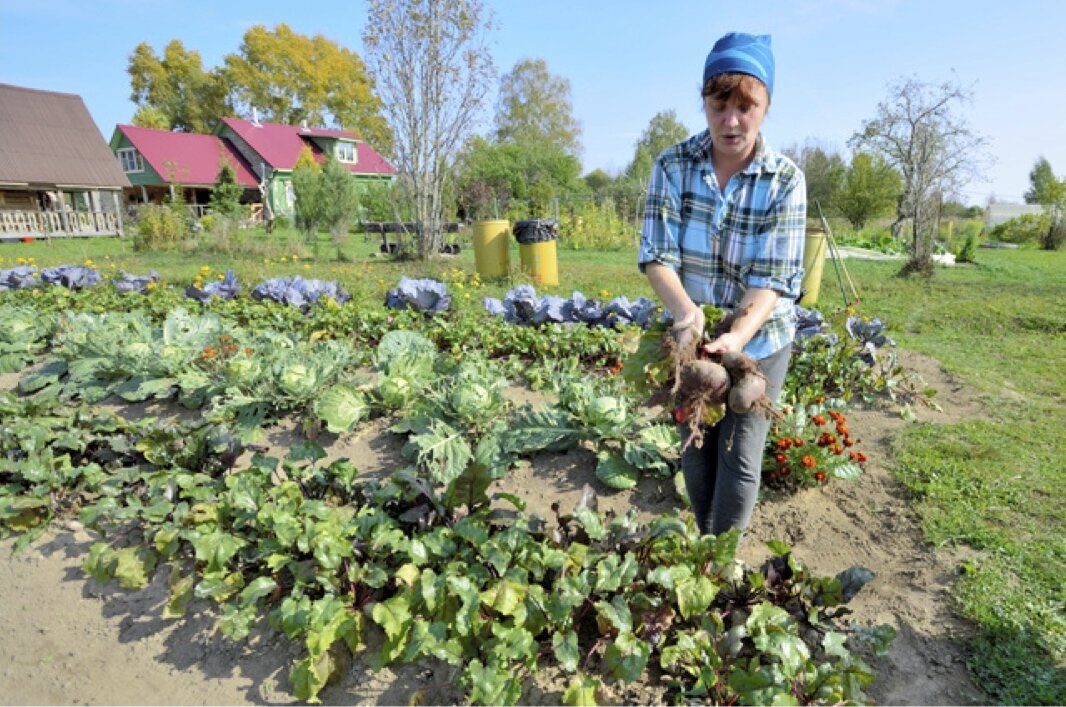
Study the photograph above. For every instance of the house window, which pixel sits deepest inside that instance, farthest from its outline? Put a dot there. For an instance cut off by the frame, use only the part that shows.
(346, 151)
(130, 160)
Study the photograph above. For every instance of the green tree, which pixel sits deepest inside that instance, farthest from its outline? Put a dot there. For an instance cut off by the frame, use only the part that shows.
(289, 78)
(598, 181)
(824, 173)
(174, 91)
(495, 178)
(225, 197)
(534, 106)
(870, 188)
(663, 130)
(442, 44)
(148, 116)
(340, 196)
(1050, 192)
(307, 186)
(918, 131)
(1043, 185)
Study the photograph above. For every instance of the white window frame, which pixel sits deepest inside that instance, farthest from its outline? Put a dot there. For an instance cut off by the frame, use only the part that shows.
(130, 154)
(343, 157)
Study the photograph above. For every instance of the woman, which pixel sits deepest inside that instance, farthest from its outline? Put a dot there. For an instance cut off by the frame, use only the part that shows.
(724, 226)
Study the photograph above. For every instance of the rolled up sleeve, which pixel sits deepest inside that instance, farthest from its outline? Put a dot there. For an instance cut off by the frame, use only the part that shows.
(778, 262)
(662, 221)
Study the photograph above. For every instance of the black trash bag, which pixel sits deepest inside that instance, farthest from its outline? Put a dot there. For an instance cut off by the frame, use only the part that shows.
(536, 231)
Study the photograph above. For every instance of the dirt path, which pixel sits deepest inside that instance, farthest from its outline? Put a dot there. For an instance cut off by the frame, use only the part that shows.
(69, 640)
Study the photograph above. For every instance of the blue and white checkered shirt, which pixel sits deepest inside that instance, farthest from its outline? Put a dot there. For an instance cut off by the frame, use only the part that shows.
(721, 243)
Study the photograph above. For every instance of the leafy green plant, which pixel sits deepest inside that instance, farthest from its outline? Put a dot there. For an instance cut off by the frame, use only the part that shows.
(24, 334)
(595, 412)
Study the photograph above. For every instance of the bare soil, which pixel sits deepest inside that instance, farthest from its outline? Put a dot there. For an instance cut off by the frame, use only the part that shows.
(66, 639)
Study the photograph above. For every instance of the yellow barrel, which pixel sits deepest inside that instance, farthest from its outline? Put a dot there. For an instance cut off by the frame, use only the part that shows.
(813, 261)
(538, 260)
(491, 257)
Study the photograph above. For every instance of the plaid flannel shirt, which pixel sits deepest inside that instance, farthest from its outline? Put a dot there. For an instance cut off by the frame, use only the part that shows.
(722, 243)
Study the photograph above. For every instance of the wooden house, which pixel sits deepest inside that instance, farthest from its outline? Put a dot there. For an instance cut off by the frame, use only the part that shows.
(57, 176)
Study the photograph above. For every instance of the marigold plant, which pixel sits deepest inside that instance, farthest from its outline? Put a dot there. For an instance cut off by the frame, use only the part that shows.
(808, 446)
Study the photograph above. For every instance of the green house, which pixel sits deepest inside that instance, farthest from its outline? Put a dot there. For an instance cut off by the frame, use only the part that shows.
(272, 151)
(159, 162)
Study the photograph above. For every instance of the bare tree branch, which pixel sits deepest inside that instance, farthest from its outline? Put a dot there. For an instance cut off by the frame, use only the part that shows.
(917, 131)
(433, 69)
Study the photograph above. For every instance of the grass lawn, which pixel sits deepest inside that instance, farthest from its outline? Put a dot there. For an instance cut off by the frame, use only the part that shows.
(994, 484)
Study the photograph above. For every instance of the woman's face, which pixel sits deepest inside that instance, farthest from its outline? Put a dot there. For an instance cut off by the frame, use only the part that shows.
(735, 123)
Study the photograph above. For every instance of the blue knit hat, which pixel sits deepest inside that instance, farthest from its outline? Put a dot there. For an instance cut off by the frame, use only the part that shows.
(742, 53)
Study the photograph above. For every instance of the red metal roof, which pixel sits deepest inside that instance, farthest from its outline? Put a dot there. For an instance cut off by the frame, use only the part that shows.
(280, 145)
(187, 158)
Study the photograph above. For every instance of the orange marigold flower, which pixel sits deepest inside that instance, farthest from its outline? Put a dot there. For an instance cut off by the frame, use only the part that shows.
(820, 475)
(837, 449)
(797, 442)
(808, 461)
(848, 441)
(781, 458)
(818, 419)
(784, 443)
(842, 429)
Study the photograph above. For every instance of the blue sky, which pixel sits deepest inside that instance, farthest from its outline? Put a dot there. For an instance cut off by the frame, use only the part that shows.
(626, 60)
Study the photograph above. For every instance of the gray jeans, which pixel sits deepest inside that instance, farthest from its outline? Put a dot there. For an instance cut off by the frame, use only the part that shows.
(722, 476)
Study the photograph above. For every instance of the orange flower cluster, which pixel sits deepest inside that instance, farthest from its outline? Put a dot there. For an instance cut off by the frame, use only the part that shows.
(225, 348)
(807, 451)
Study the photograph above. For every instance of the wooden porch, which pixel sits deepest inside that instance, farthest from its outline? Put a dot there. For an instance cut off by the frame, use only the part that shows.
(56, 213)
(16, 224)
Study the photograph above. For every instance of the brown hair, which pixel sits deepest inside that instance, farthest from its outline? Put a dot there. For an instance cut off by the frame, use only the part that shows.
(722, 87)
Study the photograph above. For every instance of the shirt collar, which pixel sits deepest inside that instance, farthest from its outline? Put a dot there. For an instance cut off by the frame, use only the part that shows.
(765, 159)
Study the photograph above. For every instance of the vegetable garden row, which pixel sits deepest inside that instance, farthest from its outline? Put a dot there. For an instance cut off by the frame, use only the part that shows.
(444, 568)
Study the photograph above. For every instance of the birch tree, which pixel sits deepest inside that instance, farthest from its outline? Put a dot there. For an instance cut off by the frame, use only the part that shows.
(432, 68)
(919, 132)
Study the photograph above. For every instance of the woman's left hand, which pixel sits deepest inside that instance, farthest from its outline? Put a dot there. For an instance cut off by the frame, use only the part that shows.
(728, 342)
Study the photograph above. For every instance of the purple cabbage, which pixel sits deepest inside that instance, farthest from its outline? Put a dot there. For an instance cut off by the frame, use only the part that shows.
(427, 296)
(521, 305)
(18, 278)
(299, 292)
(72, 277)
(227, 288)
(871, 334)
(135, 283)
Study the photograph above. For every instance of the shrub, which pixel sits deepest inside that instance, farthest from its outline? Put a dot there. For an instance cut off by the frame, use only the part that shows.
(970, 235)
(595, 225)
(1029, 228)
(160, 227)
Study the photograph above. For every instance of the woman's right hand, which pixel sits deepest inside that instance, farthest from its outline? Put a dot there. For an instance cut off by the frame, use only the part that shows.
(688, 328)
